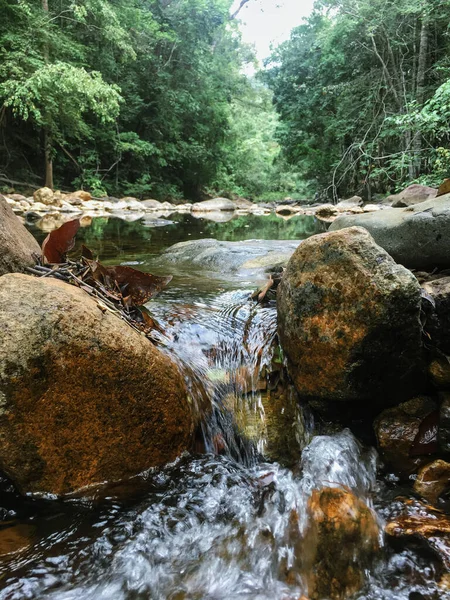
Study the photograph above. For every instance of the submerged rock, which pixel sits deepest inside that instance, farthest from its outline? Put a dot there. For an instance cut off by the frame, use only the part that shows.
(417, 522)
(348, 320)
(84, 398)
(229, 257)
(341, 540)
(398, 432)
(18, 248)
(416, 237)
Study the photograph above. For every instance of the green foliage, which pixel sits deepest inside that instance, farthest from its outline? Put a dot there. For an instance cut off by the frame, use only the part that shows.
(46, 97)
(361, 91)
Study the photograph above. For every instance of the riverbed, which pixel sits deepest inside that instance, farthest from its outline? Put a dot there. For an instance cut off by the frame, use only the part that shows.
(216, 524)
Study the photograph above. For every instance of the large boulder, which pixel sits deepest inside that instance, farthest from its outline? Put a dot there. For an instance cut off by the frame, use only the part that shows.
(18, 248)
(84, 398)
(348, 320)
(416, 237)
(413, 194)
(214, 204)
(229, 257)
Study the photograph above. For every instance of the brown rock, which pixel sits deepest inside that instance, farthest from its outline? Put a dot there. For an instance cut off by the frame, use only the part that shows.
(84, 398)
(85, 196)
(439, 372)
(326, 211)
(340, 542)
(348, 320)
(398, 428)
(433, 480)
(444, 422)
(18, 248)
(437, 309)
(413, 194)
(47, 196)
(422, 523)
(77, 198)
(444, 188)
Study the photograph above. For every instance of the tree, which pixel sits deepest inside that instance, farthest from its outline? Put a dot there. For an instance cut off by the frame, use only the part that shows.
(348, 86)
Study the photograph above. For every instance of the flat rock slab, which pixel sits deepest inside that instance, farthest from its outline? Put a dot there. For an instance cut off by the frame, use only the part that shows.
(214, 204)
(230, 257)
(416, 237)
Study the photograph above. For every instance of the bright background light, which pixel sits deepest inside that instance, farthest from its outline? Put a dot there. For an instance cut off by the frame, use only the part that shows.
(269, 22)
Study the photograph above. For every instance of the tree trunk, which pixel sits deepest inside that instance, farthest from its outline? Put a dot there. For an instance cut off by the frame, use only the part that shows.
(47, 137)
(48, 160)
(420, 90)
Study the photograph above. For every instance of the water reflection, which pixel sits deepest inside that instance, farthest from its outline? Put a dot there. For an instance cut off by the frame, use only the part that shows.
(116, 240)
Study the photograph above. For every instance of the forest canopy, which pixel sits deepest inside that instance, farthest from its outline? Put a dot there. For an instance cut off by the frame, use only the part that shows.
(362, 89)
(150, 98)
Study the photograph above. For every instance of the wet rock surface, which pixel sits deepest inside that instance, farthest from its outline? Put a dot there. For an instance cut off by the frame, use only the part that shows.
(413, 521)
(349, 320)
(228, 257)
(439, 372)
(437, 310)
(83, 397)
(444, 423)
(398, 431)
(342, 539)
(416, 237)
(18, 248)
(433, 480)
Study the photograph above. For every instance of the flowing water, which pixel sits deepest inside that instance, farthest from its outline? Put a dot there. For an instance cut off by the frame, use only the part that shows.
(229, 521)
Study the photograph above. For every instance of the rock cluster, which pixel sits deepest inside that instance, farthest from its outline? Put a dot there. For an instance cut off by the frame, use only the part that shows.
(53, 208)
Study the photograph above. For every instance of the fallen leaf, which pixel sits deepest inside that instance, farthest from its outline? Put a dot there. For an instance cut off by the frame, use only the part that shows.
(139, 286)
(60, 241)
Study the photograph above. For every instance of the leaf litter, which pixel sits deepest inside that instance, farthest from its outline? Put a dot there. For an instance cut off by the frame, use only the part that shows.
(117, 289)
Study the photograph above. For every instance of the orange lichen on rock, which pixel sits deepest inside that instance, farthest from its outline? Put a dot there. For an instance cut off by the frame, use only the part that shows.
(86, 398)
(349, 319)
(342, 538)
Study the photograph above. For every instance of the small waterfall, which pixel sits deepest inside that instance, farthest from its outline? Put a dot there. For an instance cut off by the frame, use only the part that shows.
(226, 347)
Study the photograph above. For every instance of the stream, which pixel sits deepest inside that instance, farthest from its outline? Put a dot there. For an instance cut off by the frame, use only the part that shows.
(217, 524)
